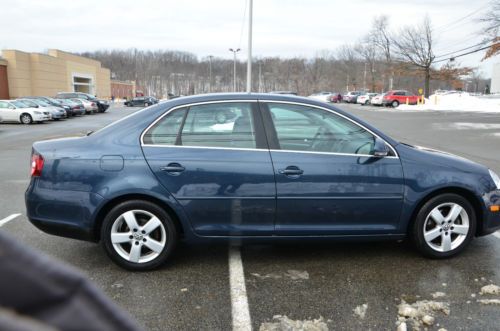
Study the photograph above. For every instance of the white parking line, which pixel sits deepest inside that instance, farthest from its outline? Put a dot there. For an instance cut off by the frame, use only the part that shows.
(497, 234)
(239, 300)
(8, 219)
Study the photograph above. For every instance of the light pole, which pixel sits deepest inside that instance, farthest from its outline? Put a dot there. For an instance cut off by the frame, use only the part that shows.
(234, 67)
(249, 62)
(210, 73)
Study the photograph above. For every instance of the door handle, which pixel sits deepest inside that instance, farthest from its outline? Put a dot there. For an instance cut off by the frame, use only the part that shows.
(291, 171)
(173, 167)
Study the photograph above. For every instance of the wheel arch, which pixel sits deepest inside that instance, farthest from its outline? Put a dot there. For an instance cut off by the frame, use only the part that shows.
(465, 193)
(135, 196)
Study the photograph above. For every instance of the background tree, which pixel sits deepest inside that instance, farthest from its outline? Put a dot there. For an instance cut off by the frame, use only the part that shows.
(491, 19)
(414, 44)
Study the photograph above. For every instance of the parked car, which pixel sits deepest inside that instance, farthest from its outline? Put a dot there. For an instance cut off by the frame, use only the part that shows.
(365, 99)
(76, 108)
(16, 111)
(285, 167)
(141, 102)
(53, 102)
(351, 97)
(56, 113)
(283, 92)
(322, 96)
(103, 105)
(397, 97)
(336, 98)
(377, 100)
(90, 106)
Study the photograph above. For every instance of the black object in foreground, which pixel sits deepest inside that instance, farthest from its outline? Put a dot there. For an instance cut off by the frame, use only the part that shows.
(37, 293)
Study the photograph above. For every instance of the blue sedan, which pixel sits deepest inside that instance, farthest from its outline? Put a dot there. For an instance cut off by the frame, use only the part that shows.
(253, 167)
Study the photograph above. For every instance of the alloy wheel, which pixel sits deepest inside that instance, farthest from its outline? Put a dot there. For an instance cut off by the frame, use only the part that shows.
(446, 227)
(26, 119)
(138, 236)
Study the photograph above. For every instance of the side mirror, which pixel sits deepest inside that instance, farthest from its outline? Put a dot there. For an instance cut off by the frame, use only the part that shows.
(380, 148)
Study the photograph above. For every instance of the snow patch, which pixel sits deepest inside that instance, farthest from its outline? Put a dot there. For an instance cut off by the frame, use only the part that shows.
(283, 323)
(421, 313)
(490, 302)
(360, 311)
(436, 295)
(457, 102)
(490, 289)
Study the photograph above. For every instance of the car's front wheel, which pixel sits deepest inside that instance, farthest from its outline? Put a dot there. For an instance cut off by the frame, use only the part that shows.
(138, 235)
(444, 226)
(26, 119)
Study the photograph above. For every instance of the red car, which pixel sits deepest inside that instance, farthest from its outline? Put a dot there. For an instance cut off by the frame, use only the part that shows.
(336, 98)
(397, 97)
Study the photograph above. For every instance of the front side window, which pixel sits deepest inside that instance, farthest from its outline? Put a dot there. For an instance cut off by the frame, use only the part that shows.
(301, 128)
(219, 125)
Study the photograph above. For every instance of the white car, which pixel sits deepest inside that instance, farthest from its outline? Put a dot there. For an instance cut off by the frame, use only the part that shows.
(16, 111)
(90, 106)
(56, 113)
(365, 99)
(377, 100)
(322, 96)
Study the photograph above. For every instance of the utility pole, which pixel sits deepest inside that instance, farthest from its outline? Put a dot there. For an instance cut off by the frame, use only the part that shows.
(234, 67)
(210, 73)
(364, 79)
(249, 63)
(260, 76)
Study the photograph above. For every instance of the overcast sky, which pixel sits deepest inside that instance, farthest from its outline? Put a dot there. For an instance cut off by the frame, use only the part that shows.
(281, 28)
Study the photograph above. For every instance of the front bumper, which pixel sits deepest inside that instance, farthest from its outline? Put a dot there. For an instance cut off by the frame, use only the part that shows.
(41, 118)
(491, 220)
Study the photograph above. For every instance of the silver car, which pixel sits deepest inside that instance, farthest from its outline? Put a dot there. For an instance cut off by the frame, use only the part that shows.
(56, 113)
(90, 106)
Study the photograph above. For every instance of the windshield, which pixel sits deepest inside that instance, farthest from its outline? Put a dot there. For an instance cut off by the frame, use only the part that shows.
(19, 104)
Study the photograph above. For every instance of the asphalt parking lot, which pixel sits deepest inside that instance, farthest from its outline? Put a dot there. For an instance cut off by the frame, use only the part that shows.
(318, 284)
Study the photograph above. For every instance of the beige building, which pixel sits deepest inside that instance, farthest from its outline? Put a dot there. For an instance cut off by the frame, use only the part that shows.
(36, 74)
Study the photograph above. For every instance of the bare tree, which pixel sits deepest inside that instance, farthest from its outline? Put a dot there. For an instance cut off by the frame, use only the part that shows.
(347, 57)
(368, 53)
(381, 38)
(414, 44)
(491, 18)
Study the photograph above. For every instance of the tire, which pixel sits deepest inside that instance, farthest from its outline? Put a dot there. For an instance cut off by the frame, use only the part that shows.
(367, 102)
(147, 104)
(164, 235)
(395, 103)
(460, 230)
(26, 119)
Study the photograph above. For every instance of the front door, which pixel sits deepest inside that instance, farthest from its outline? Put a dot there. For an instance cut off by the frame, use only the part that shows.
(214, 160)
(328, 182)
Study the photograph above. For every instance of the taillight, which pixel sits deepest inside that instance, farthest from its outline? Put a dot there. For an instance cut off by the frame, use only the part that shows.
(92, 104)
(36, 165)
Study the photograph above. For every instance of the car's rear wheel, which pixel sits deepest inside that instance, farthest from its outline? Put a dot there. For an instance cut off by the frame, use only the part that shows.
(444, 226)
(395, 103)
(26, 119)
(138, 235)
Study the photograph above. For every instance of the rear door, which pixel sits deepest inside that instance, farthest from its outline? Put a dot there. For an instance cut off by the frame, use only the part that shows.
(213, 158)
(328, 182)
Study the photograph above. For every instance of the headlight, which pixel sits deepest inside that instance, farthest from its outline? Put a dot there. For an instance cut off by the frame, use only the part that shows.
(37, 112)
(495, 178)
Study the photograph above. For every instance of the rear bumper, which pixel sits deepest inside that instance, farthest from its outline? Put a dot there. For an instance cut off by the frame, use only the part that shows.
(62, 213)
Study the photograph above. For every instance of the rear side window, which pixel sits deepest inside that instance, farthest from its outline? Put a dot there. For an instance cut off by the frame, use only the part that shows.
(219, 125)
(228, 125)
(165, 131)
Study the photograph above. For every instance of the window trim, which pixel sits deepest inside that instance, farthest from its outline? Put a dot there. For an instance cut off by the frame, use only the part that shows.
(274, 142)
(262, 107)
(255, 112)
